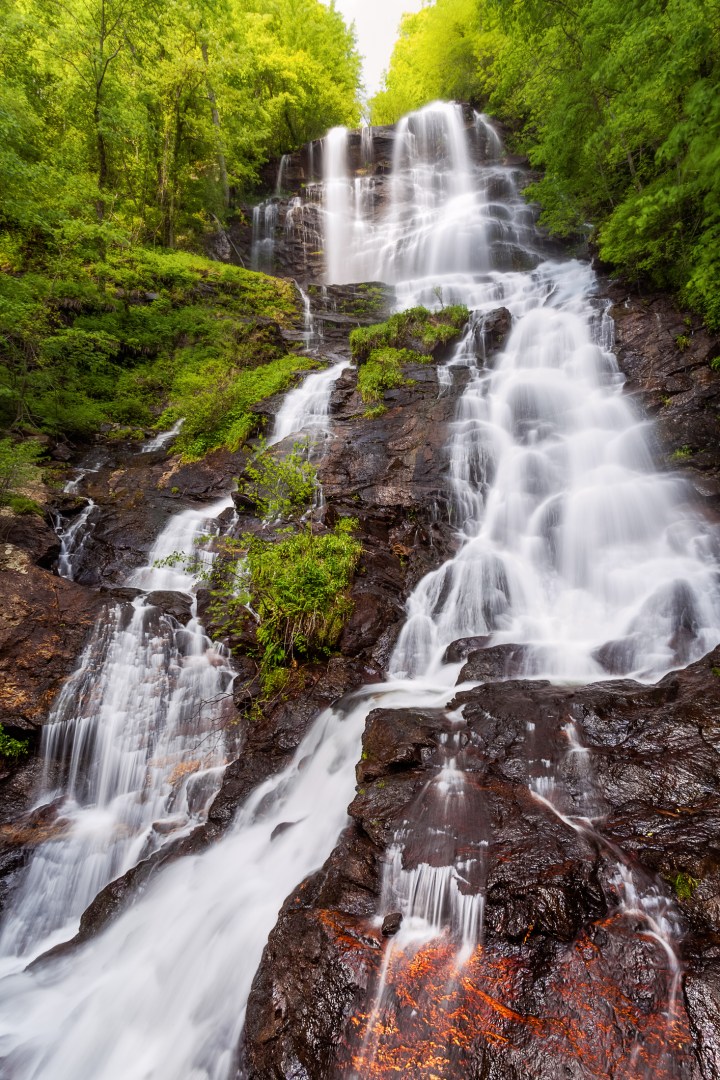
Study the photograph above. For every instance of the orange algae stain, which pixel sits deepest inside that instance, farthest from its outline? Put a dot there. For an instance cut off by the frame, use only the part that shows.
(437, 1017)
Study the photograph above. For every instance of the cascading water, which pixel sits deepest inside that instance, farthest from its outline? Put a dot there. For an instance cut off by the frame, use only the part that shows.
(264, 224)
(571, 547)
(162, 440)
(74, 536)
(138, 731)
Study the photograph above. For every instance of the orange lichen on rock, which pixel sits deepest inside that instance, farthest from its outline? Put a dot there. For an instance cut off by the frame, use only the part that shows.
(438, 1014)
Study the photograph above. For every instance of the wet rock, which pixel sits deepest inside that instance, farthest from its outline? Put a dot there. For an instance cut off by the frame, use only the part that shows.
(463, 647)
(122, 593)
(177, 604)
(496, 662)
(666, 355)
(650, 777)
(395, 740)
(392, 923)
(494, 329)
(43, 624)
(32, 534)
(702, 995)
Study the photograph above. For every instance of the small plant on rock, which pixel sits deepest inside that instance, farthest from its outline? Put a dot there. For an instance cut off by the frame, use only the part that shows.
(12, 749)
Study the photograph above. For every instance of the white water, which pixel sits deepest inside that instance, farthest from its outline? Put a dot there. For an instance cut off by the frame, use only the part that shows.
(74, 536)
(164, 438)
(305, 410)
(570, 540)
(138, 731)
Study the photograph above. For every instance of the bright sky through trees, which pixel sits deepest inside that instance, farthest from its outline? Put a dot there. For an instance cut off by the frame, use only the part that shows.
(376, 22)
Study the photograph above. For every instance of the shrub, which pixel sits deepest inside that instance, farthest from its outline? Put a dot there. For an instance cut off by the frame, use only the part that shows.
(293, 585)
(383, 371)
(281, 487)
(18, 462)
(12, 749)
(417, 328)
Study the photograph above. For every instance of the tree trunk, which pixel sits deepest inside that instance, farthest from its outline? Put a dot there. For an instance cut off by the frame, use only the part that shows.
(222, 164)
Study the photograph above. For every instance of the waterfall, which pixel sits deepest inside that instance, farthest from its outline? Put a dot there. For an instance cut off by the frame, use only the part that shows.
(74, 536)
(138, 733)
(264, 224)
(163, 439)
(570, 545)
(282, 174)
(339, 221)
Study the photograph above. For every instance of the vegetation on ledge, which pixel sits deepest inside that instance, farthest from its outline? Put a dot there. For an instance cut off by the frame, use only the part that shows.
(140, 339)
(417, 329)
(282, 595)
(409, 337)
(128, 134)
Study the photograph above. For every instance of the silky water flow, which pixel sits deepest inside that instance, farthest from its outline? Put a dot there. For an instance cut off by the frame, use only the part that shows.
(571, 545)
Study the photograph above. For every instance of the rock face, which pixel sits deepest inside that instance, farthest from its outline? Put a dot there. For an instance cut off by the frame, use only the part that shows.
(564, 978)
(667, 357)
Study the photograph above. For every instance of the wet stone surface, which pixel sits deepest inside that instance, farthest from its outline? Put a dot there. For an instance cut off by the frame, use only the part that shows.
(559, 958)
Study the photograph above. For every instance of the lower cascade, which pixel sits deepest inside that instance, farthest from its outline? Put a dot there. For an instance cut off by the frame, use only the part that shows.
(575, 563)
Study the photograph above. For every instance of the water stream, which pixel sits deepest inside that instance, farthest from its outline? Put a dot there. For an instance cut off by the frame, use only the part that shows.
(572, 546)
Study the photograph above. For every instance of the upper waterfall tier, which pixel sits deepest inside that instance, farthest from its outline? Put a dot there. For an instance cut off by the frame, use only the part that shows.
(429, 205)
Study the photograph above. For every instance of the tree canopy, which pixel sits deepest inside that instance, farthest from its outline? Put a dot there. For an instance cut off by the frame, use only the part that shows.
(140, 119)
(617, 103)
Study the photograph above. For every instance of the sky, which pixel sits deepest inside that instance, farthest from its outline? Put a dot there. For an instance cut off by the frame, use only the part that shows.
(377, 23)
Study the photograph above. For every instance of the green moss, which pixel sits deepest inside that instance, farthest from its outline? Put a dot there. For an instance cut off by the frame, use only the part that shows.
(21, 504)
(417, 328)
(137, 336)
(683, 453)
(684, 886)
(216, 398)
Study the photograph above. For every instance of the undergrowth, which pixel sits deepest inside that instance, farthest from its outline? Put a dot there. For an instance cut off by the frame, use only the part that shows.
(137, 339)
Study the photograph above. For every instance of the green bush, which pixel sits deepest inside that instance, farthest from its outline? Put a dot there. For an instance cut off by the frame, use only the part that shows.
(297, 586)
(293, 586)
(12, 749)
(139, 336)
(684, 886)
(281, 487)
(18, 465)
(383, 371)
(417, 328)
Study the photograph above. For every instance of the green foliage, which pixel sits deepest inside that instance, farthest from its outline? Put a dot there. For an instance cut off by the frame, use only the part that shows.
(18, 461)
(618, 104)
(409, 337)
(142, 339)
(297, 586)
(142, 120)
(374, 412)
(293, 586)
(684, 886)
(416, 329)
(216, 396)
(383, 371)
(12, 749)
(21, 504)
(683, 453)
(281, 487)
